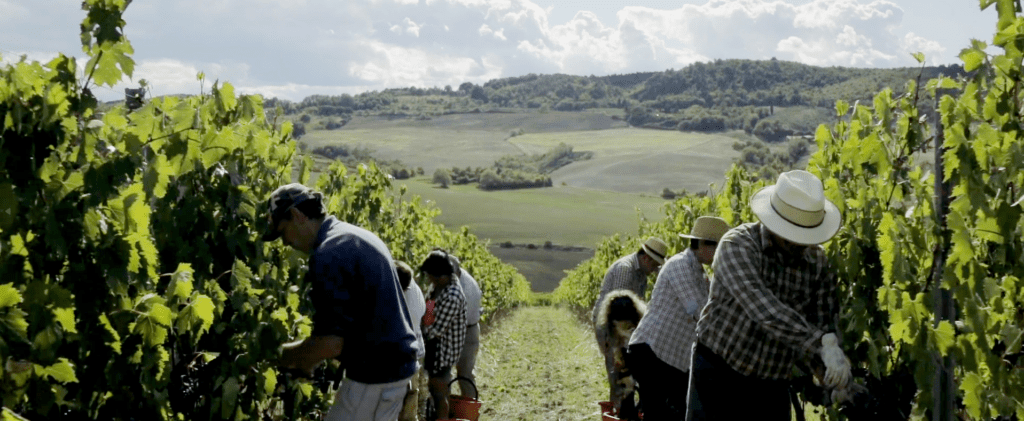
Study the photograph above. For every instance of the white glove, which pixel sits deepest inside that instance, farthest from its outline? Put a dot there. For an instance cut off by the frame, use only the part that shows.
(848, 393)
(837, 366)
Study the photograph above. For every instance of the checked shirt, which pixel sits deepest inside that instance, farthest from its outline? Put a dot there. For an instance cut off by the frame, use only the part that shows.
(766, 309)
(449, 325)
(669, 327)
(625, 273)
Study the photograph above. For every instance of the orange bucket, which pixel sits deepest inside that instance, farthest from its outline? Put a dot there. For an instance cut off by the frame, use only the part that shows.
(465, 407)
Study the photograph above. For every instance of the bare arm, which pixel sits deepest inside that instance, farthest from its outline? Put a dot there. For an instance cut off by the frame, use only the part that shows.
(304, 355)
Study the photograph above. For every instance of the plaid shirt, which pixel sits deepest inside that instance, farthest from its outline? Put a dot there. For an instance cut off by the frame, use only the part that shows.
(449, 325)
(671, 320)
(625, 273)
(767, 309)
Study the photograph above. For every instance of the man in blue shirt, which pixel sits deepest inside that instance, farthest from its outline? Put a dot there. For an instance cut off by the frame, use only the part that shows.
(360, 316)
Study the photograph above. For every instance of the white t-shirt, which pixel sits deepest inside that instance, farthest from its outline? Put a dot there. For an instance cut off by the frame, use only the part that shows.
(473, 297)
(417, 308)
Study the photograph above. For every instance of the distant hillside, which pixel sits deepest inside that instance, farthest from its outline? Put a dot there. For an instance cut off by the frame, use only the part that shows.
(707, 97)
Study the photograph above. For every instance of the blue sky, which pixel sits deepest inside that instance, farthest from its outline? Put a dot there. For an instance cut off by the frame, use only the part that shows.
(291, 49)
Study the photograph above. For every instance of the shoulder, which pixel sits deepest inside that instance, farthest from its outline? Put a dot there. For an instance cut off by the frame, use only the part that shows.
(748, 233)
(816, 255)
(624, 263)
(338, 236)
(466, 279)
(682, 258)
(454, 292)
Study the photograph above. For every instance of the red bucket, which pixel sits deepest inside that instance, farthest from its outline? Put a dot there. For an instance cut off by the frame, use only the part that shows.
(465, 407)
(607, 406)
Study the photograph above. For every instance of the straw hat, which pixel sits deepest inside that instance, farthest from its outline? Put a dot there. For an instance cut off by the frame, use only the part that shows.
(656, 249)
(710, 228)
(795, 208)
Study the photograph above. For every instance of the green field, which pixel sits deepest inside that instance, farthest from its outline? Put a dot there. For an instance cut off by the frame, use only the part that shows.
(590, 200)
(639, 160)
(625, 159)
(456, 140)
(563, 215)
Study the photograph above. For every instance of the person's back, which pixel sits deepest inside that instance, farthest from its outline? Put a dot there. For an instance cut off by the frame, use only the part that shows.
(359, 313)
(466, 365)
(355, 280)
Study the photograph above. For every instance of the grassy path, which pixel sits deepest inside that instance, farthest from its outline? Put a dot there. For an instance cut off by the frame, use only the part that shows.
(540, 363)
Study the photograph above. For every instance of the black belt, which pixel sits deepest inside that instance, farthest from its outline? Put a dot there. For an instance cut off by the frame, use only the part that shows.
(474, 324)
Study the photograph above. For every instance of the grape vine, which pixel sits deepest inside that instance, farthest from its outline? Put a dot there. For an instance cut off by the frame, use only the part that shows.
(133, 282)
(876, 168)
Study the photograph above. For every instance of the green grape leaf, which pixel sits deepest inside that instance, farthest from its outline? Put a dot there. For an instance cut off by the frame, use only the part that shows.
(160, 314)
(18, 243)
(66, 318)
(181, 281)
(203, 307)
(8, 205)
(899, 328)
(973, 386)
(919, 57)
(226, 97)
(151, 324)
(15, 320)
(229, 397)
(116, 343)
(961, 251)
(972, 58)
(63, 371)
(9, 415)
(9, 295)
(158, 176)
(216, 145)
(269, 382)
(944, 336)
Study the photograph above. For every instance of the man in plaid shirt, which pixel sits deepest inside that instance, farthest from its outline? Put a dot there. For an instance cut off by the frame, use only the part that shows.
(772, 304)
(630, 273)
(659, 350)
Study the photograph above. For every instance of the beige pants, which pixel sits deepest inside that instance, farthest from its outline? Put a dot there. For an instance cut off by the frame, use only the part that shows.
(368, 402)
(415, 398)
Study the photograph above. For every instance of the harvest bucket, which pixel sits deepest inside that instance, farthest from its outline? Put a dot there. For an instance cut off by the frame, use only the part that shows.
(607, 406)
(464, 406)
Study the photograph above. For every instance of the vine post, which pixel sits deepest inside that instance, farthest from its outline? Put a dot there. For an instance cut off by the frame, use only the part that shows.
(943, 389)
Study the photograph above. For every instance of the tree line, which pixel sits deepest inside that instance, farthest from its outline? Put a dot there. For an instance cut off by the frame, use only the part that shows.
(709, 96)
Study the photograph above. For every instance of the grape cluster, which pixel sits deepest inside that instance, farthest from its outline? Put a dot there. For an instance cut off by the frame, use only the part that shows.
(190, 385)
(888, 398)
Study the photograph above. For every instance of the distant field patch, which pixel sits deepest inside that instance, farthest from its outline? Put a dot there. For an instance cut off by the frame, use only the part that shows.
(639, 160)
(457, 140)
(563, 215)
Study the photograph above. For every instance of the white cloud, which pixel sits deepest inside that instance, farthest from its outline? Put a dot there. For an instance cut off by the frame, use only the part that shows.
(411, 27)
(298, 45)
(912, 43)
(395, 66)
(487, 31)
(10, 11)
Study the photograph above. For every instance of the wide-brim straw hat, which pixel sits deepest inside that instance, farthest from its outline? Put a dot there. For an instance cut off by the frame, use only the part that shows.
(656, 249)
(795, 208)
(708, 228)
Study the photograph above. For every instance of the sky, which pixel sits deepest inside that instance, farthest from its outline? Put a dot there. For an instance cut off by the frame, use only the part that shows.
(291, 49)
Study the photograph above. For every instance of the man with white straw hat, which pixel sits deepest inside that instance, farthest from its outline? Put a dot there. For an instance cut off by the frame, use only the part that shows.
(772, 305)
(659, 350)
(630, 272)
